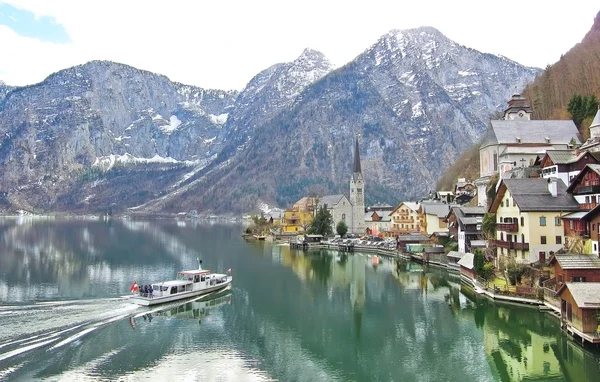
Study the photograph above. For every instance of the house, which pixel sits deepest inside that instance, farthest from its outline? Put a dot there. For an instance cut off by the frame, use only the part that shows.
(405, 219)
(378, 222)
(566, 164)
(433, 217)
(516, 141)
(275, 216)
(465, 223)
(453, 258)
(340, 209)
(445, 196)
(464, 191)
(585, 187)
(528, 218)
(404, 241)
(467, 269)
(575, 268)
(577, 233)
(580, 309)
(297, 218)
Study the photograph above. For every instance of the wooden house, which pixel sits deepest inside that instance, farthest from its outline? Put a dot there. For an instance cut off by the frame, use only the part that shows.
(467, 269)
(580, 310)
(575, 268)
(566, 164)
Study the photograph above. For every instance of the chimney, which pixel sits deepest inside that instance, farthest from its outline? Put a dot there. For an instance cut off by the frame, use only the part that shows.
(553, 186)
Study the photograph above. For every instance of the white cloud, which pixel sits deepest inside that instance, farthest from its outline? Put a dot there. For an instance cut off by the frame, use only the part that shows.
(223, 44)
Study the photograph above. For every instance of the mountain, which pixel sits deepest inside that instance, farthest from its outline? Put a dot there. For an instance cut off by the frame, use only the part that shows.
(269, 92)
(107, 137)
(4, 89)
(416, 98)
(577, 72)
(101, 113)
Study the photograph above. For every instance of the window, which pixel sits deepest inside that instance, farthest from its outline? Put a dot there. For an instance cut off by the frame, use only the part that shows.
(343, 216)
(359, 190)
(559, 240)
(557, 221)
(543, 239)
(579, 279)
(502, 203)
(542, 221)
(522, 221)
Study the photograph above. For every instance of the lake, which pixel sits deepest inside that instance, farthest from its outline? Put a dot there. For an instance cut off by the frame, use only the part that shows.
(290, 315)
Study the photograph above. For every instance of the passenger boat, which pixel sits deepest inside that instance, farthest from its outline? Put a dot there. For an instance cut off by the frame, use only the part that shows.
(187, 284)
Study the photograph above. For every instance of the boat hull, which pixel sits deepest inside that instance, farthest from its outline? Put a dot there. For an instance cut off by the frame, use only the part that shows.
(149, 301)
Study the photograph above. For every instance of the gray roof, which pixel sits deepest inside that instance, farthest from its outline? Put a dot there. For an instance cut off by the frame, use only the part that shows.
(413, 238)
(535, 131)
(330, 200)
(532, 194)
(586, 295)
(473, 210)
(565, 156)
(478, 243)
(596, 121)
(575, 215)
(467, 260)
(577, 261)
(439, 249)
(439, 209)
(456, 254)
(461, 212)
(383, 214)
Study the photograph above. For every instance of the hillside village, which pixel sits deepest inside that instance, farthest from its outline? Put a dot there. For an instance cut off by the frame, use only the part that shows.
(532, 217)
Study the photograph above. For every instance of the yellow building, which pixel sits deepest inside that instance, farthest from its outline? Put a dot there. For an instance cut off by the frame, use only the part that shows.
(432, 216)
(528, 218)
(404, 219)
(299, 217)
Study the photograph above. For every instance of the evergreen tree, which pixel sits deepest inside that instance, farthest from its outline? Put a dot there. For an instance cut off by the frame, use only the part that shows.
(341, 228)
(582, 107)
(322, 222)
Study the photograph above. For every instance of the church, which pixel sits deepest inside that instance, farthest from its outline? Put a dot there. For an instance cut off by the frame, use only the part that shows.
(351, 211)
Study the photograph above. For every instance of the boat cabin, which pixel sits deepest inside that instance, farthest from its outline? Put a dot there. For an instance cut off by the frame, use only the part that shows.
(188, 281)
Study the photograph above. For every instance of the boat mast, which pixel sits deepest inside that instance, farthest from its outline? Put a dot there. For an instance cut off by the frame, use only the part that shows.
(199, 263)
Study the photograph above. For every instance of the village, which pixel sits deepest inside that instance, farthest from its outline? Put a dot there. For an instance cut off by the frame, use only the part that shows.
(525, 231)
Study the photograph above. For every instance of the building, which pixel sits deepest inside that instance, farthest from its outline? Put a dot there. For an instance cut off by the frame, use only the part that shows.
(585, 187)
(339, 207)
(405, 219)
(575, 268)
(580, 309)
(465, 224)
(297, 218)
(528, 215)
(593, 143)
(378, 222)
(467, 269)
(464, 191)
(566, 164)
(432, 216)
(517, 141)
(357, 195)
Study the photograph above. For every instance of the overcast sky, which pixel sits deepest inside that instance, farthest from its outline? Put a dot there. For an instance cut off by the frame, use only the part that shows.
(223, 43)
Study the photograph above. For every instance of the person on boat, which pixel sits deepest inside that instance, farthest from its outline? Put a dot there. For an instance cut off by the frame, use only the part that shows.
(150, 290)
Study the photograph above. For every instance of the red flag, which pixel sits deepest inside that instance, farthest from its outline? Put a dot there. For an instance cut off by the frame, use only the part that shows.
(134, 287)
(229, 271)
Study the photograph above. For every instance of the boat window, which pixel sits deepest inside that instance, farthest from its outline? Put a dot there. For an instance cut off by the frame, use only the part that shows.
(202, 278)
(181, 288)
(188, 287)
(196, 278)
(173, 290)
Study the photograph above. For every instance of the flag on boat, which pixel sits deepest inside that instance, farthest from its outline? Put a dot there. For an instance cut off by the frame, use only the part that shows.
(134, 287)
(229, 271)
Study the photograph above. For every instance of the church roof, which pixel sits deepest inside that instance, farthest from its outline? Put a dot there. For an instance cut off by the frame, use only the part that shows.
(331, 200)
(356, 167)
(536, 132)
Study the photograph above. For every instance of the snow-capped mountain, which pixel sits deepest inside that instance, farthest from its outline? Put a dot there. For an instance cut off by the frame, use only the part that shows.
(271, 91)
(4, 89)
(416, 98)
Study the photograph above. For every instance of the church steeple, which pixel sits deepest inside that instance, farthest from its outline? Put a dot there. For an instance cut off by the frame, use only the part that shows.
(356, 158)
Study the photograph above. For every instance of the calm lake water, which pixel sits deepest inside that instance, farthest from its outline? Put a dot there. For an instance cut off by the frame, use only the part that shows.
(290, 316)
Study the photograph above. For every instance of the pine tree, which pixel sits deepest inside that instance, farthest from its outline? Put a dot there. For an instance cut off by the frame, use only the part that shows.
(322, 222)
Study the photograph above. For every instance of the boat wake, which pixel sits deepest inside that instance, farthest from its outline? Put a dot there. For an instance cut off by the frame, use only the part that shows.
(53, 324)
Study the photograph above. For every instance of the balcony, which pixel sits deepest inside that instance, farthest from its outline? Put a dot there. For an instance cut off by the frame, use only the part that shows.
(592, 188)
(507, 227)
(510, 245)
(403, 220)
(587, 206)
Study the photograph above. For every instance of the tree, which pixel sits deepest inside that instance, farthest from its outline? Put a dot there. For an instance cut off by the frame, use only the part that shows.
(478, 261)
(322, 222)
(341, 228)
(488, 226)
(582, 107)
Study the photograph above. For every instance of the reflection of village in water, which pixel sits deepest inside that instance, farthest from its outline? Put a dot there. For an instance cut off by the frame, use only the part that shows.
(520, 342)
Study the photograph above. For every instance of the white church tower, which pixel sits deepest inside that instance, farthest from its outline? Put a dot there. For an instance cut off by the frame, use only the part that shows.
(357, 195)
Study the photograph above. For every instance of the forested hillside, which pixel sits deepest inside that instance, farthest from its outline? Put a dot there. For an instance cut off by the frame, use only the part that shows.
(577, 72)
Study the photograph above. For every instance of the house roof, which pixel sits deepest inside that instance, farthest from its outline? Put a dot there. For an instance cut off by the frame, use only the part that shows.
(533, 131)
(576, 261)
(565, 156)
(438, 209)
(331, 200)
(532, 194)
(586, 295)
(467, 261)
(468, 215)
(383, 214)
(412, 205)
(456, 254)
(439, 249)
(413, 238)
(575, 215)
(588, 167)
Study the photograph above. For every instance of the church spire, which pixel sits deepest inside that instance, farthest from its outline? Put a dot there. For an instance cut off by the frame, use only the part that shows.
(356, 158)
